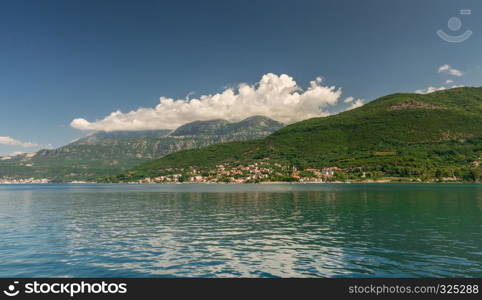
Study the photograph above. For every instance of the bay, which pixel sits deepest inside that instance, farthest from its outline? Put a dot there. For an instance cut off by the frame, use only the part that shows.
(285, 230)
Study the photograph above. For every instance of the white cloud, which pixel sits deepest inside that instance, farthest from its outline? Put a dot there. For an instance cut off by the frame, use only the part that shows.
(275, 96)
(356, 104)
(449, 81)
(432, 89)
(449, 70)
(6, 140)
(348, 100)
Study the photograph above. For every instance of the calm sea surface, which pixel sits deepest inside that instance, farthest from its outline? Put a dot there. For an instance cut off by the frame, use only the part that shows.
(409, 230)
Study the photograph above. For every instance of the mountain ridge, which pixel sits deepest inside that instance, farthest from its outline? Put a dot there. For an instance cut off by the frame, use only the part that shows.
(429, 135)
(102, 153)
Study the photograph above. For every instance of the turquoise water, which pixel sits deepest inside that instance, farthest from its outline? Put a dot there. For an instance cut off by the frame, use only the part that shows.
(408, 230)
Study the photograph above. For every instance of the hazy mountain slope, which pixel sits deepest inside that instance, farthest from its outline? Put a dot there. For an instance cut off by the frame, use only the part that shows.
(252, 126)
(104, 153)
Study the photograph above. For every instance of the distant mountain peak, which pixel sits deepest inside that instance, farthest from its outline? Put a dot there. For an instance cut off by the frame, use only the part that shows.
(106, 152)
(99, 136)
(249, 125)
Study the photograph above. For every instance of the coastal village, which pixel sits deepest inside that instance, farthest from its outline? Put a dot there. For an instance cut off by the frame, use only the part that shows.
(261, 172)
(256, 172)
(268, 172)
(24, 181)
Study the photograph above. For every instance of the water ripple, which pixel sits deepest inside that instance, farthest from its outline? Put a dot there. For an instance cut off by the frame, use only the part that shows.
(241, 230)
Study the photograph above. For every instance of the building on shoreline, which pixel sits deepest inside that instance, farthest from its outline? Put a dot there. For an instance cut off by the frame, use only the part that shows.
(24, 181)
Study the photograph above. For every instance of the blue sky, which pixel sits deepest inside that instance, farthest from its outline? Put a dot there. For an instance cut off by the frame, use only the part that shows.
(66, 60)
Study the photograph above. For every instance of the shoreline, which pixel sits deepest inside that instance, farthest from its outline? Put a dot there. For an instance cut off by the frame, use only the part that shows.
(253, 183)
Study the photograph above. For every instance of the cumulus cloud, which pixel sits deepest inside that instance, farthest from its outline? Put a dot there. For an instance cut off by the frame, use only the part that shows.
(449, 70)
(449, 81)
(357, 103)
(432, 89)
(6, 140)
(276, 96)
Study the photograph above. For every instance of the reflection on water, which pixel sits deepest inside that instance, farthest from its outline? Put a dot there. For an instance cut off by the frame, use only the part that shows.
(241, 230)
